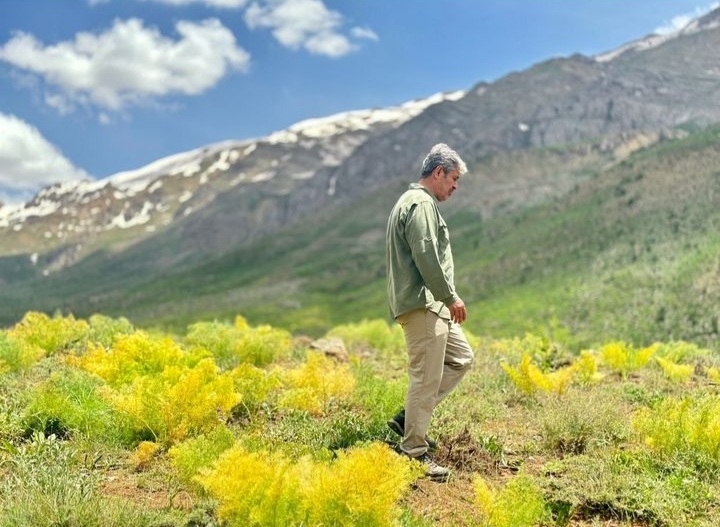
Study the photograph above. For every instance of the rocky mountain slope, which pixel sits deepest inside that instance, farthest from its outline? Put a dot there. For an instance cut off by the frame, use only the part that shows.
(232, 179)
(648, 86)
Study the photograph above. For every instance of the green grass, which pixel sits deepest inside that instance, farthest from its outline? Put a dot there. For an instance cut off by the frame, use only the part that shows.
(640, 448)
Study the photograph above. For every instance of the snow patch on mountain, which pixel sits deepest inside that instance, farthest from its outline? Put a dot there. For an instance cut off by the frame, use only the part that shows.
(156, 185)
(224, 161)
(303, 175)
(656, 39)
(15, 214)
(263, 176)
(644, 44)
(185, 163)
(70, 197)
(123, 222)
(324, 127)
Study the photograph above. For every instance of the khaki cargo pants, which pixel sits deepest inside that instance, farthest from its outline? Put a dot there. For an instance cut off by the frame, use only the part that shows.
(438, 357)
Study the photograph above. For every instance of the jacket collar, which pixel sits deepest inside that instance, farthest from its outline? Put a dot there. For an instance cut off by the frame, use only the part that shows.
(417, 186)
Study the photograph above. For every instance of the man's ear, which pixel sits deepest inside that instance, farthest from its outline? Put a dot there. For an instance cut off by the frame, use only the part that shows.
(439, 171)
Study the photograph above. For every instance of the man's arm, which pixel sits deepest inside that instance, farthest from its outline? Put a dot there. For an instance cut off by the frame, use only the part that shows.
(421, 231)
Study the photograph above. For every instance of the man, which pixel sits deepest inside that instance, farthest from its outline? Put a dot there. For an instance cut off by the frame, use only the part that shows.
(423, 301)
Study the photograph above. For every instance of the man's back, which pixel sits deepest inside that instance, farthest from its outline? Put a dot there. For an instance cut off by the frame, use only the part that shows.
(419, 259)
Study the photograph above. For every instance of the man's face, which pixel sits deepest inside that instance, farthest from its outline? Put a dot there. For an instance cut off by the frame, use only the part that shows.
(447, 183)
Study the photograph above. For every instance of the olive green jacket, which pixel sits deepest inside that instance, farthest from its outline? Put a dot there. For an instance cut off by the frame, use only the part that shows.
(418, 256)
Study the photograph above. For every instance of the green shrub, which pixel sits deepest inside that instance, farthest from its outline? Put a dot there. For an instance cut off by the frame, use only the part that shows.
(240, 343)
(17, 354)
(176, 403)
(627, 487)
(295, 434)
(255, 386)
(71, 402)
(372, 335)
(262, 345)
(104, 330)
(681, 351)
(50, 334)
(45, 483)
(220, 339)
(543, 352)
(519, 503)
(688, 426)
(377, 396)
(298, 433)
(581, 421)
(192, 455)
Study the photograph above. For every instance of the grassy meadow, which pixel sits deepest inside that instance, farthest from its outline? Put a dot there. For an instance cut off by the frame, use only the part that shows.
(104, 424)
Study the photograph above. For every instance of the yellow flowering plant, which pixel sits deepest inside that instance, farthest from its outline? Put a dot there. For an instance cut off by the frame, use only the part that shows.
(51, 334)
(361, 487)
(316, 384)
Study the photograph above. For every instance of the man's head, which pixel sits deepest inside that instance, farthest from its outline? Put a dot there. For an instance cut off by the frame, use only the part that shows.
(441, 171)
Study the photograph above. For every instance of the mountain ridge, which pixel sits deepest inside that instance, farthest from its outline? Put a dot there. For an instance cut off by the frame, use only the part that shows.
(75, 215)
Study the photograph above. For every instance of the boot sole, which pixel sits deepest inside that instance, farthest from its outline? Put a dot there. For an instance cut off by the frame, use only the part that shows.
(439, 478)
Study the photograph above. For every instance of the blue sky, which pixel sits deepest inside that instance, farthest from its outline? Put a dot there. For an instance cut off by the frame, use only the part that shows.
(89, 88)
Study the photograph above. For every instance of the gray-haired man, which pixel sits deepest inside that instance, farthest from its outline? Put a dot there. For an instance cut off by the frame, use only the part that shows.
(422, 298)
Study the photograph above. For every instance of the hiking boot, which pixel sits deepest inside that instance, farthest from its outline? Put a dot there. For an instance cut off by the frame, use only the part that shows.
(433, 471)
(397, 425)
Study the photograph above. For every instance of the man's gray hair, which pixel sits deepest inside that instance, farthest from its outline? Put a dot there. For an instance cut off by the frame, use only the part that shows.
(444, 156)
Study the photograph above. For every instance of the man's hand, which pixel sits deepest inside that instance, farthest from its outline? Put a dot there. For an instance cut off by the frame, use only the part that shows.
(458, 311)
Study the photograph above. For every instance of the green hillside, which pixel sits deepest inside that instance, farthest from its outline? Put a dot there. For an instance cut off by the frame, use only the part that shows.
(629, 253)
(625, 250)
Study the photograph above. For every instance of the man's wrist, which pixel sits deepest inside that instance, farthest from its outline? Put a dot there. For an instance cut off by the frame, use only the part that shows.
(451, 300)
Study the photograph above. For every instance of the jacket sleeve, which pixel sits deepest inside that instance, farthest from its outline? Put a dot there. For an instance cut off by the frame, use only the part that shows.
(421, 232)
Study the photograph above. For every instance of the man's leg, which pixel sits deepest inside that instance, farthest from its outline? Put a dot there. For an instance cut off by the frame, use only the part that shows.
(458, 359)
(426, 336)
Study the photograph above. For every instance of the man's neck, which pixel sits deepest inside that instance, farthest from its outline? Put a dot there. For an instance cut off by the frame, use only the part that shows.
(426, 183)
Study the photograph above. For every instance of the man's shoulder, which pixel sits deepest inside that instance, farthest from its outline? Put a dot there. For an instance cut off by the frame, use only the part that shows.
(415, 195)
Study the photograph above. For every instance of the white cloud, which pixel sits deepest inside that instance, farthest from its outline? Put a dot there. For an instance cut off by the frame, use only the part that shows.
(364, 32)
(330, 44)
(226, 4)
(296, 24)
(28, 162)
(59, 102)
(129, 63)
(680, 21)
(301, 23)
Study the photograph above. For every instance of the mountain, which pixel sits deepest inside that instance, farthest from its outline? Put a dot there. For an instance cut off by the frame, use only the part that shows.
(550, 223)
(216, 194)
